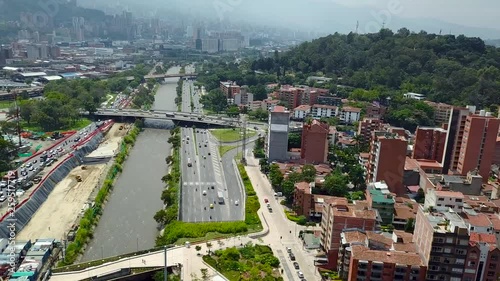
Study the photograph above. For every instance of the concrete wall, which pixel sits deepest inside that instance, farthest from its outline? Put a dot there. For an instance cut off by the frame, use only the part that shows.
(278, 146)
(16, 220)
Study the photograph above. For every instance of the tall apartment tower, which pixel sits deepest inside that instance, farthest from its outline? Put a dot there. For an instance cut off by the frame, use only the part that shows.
(478, 144)
(442, 239)
(387, 161)
(429, 143)
(277, 137)
(314, 146)
(455, 127)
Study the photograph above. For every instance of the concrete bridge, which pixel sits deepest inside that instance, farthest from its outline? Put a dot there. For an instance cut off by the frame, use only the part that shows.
(178, 117)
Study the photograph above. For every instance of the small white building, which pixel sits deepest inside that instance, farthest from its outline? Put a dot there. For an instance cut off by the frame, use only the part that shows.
(414, 96)
(444, 199)
(321, 110)
(301, 112)
(350, 114)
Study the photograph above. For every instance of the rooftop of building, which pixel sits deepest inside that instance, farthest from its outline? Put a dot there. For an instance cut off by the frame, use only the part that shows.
(442, 219)
(483, 238)
(362, 253)
(429, 164)
(351, 109)
(354, 237)
(477, 219)
(304, 186)
(449, 194)
(333, 107)
(303, 107)
(353, 211)
(364, 155)
(280, 109)
(432, 128)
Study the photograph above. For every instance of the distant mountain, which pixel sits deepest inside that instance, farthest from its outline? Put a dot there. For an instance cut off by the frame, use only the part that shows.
(56, 15)
(495, 42)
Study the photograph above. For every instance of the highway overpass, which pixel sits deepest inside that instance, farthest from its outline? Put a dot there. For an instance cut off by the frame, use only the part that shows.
(178, 117)
(157, 76)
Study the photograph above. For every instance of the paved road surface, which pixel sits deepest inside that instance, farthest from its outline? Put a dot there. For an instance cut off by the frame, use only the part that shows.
(204, 180)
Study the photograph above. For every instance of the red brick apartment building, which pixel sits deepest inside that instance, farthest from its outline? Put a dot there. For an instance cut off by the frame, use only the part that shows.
(429, 143)
(229, 88)
(478, 145)
(366, 127)
(375, 110)
(314, 147)
(337, 217)
(483, 258)
(295, 96)
(442, 239)
(387, 161)
(310, 205)
(366, 255)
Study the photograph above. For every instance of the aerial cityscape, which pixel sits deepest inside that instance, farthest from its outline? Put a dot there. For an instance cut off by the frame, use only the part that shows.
(236, 140)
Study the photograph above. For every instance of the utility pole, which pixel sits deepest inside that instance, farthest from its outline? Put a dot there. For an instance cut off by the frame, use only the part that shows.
(165, 271)
(18, 122)
(244, 125)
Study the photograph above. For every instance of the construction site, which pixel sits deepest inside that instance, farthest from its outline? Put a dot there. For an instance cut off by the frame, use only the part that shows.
(59, 215)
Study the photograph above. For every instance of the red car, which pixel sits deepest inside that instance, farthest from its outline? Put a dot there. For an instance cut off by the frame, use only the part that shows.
(265, 200)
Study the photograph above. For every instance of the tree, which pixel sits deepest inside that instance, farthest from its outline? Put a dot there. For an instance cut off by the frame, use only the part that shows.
(215, 100)
(335, 184)
(294, 140)
(204, 274)
(410, 225)
(209, 246)
(275, 175)
(288, 189)
(308, 173)
(6, 149)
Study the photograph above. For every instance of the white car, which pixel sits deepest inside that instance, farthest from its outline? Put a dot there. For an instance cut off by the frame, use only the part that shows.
(204, 192)
(236, 202)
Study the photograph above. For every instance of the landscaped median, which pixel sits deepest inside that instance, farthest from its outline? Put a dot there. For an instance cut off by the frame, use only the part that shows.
(231, 135)
(91, 217)
(176, 230)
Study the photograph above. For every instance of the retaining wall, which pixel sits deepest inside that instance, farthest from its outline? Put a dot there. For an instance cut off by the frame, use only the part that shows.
(25, 210)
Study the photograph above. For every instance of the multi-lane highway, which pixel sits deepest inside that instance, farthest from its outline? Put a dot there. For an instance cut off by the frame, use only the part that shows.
(205, 194)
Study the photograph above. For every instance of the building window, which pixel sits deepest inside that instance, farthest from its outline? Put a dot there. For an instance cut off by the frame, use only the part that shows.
(472, 263)
(460, 252)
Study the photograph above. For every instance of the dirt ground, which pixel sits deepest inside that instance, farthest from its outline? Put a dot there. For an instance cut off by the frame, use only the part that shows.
(56, 216)
(68, 199)
(111, 143)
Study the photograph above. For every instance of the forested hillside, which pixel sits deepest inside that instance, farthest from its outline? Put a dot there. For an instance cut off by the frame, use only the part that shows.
(453, 69)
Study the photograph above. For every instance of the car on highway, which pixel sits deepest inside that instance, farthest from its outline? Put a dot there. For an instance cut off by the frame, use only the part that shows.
(292, 257)
(3, 198)
(204, 192)
(236, 202)
(266, 200)
(296, 265)
(211, 206)
(300, 274)
(289, 250)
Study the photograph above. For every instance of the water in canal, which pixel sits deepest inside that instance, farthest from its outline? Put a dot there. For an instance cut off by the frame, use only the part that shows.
(127, 224)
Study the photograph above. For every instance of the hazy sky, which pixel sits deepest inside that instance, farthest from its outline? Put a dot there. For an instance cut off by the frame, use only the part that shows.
(455, 16)
(477, 13)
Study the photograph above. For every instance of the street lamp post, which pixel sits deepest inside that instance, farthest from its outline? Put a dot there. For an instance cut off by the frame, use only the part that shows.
(165, 271)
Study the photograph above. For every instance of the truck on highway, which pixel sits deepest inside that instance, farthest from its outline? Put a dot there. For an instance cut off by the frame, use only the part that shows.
(220, 196)
(189, 162)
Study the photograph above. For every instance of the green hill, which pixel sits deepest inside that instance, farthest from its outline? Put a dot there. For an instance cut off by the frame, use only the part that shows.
(452, 69)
